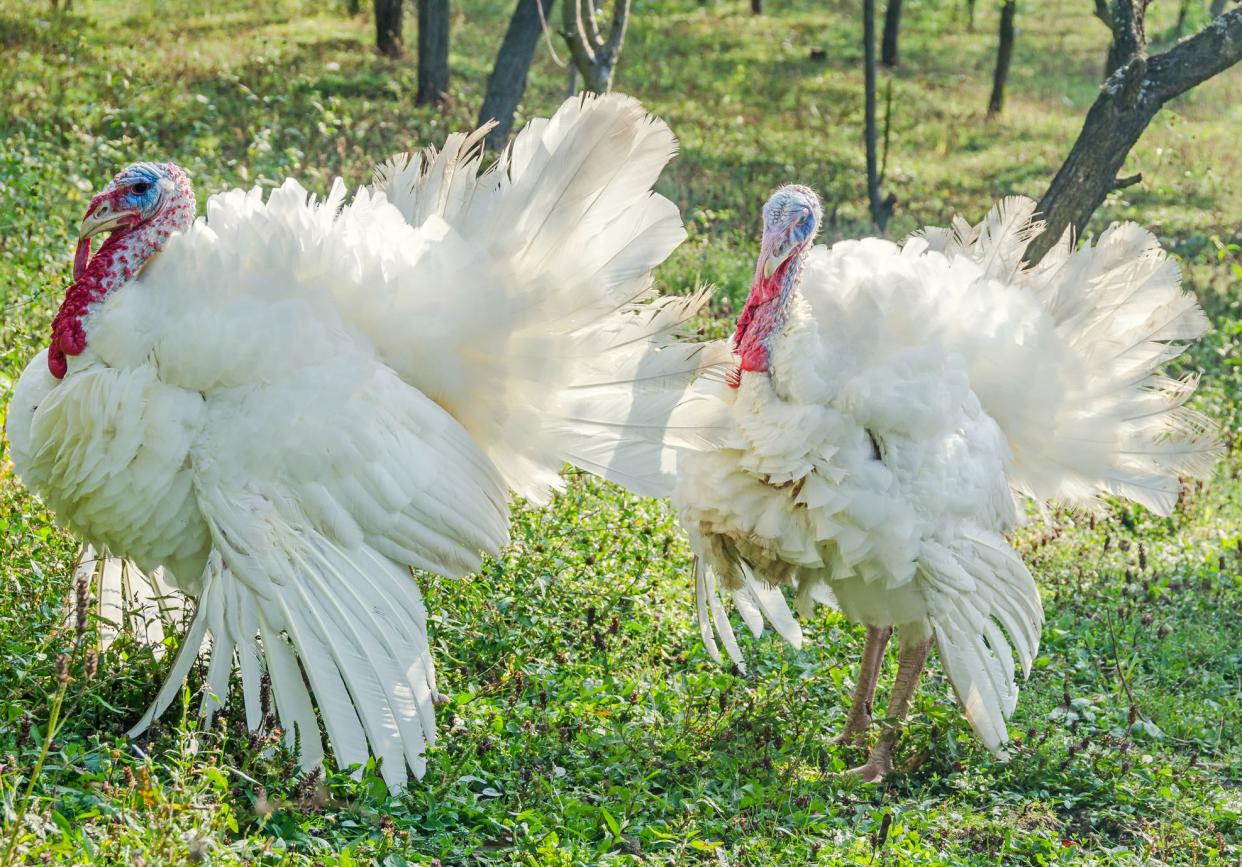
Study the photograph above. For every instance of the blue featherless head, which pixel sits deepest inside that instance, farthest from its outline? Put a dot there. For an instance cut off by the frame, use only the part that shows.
(790, 222)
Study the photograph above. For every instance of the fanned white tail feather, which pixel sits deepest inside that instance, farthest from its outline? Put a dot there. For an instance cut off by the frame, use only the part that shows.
(558, 353)
(1116, 426)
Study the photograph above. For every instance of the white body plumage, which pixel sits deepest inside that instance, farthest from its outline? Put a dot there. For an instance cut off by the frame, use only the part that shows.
(295, 402)
(912, 392)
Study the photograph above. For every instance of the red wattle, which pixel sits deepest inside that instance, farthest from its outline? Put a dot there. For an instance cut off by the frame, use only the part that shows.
(119, 258)
(90, 286)
(762, 314)
(57, 363)
(80, 257)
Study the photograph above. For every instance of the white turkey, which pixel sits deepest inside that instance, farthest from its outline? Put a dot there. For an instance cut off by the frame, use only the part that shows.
(289, 403)
(889, 404)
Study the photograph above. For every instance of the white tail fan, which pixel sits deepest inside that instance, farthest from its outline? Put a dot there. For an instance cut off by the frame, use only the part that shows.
(558, 353)
(1118, 427)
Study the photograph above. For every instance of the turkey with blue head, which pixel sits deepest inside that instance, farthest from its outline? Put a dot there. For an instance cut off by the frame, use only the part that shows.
(281, 408)
(892, 405)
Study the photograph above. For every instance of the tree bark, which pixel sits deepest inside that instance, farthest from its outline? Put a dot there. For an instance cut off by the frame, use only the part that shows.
(388, 27)
(595, 56)
(970, 16)
(353, 7)
(756, 7)
(508, 81)
(881, 209)
(433, 51)
(892, 25)
(1004, 54)
(1126, 19)
(1126, 105)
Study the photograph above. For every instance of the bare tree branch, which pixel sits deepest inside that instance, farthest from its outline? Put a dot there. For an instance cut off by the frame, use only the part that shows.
(1126, 19)
(388, 19)
(595, 57)
(433, 51)
(1102, 12)
(1004, 54)
(889, 54)
(587, 9)
(1128, 101)
(616, 34)
(1209, 52)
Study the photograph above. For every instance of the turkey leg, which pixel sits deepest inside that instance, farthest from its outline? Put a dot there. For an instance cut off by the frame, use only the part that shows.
(859, 716)
(909, 667)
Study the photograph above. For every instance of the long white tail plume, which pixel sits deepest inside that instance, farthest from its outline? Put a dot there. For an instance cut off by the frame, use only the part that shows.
(560, 354)
(1117, 425)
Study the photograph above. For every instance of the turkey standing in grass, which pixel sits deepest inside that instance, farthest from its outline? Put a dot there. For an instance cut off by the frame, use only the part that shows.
(889, 404)
(289, 404)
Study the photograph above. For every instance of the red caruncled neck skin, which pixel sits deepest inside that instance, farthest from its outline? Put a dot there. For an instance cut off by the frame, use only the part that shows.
(762, 317)
(119, 259)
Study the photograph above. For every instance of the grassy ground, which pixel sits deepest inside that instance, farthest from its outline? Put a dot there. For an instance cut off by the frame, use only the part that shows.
(586, 723)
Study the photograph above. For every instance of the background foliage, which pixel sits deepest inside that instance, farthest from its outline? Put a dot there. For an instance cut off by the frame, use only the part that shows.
(586, 723)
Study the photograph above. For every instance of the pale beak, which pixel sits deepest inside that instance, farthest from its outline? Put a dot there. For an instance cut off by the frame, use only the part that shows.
(103, 219)
(781, 250)
(100, 217)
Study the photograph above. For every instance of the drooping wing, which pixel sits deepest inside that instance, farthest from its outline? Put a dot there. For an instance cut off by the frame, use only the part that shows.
(320, 490)
(983, 606)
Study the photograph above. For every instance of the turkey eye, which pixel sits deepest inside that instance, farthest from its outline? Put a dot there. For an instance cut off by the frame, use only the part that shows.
(140, 188)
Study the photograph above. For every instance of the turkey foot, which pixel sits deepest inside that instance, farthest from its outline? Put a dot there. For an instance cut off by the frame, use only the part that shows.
(909, 667)
(858, 720)
(879, 764)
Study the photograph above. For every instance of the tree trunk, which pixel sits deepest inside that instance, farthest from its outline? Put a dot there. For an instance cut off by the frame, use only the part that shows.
(1004, 53)
(353, 7)
(970, 16)
(881, 209)
(388, 27)
(756, 7)
(595, 56)
(1126, 20)
(1183, 9)
(1217, 8)
(1126, 105)
(433, 51)
(892, 24)
(508, 81)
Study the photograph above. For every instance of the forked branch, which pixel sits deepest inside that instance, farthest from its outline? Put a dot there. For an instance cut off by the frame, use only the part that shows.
(595, 55)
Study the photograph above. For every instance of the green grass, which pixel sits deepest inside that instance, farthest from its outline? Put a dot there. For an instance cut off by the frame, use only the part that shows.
(586, 723)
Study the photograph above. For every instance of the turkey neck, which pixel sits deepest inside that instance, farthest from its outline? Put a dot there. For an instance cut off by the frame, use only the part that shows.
(118, 261)
(763, 316)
